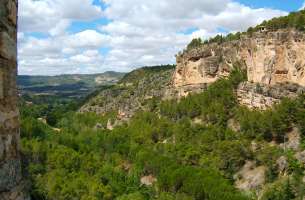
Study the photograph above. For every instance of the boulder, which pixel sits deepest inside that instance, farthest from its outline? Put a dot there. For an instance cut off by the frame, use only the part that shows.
(300, 156)
(148, 180)
(282, 164)
(250, 177)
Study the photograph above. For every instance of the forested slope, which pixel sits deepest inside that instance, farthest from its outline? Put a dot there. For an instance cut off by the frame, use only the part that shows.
(190, 150)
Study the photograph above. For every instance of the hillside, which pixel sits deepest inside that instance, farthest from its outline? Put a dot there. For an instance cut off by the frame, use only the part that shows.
(226, 123)
(271, 53)
(136, 90)
(272, 59)
(206, 146)
(72, 86)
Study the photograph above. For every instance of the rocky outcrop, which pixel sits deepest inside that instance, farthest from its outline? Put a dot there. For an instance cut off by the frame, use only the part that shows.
(292, 140)
(250, 177)
(148, 180)
(271, 59)
(261, 96)
(282, 164)
(136, 91)
(10, 162)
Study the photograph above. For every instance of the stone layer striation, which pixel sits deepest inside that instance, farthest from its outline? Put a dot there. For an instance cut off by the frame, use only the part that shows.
(10, 161)
(271, 59)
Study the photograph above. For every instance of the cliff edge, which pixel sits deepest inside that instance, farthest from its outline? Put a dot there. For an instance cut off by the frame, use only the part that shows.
(273, 60)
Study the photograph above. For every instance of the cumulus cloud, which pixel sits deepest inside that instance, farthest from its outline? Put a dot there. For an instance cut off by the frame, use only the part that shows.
(45, 15)
(138, 33)
(62, 54)
(86, 39)
(150, 32)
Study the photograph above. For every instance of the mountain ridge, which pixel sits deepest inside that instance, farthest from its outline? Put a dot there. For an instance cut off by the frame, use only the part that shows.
(70, 86)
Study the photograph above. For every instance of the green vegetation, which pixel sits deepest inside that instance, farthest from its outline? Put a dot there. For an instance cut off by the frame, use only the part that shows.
(139, 89)
(295, 20)
(69, 87)
(136, 75)
(189, 160)
(196, 42)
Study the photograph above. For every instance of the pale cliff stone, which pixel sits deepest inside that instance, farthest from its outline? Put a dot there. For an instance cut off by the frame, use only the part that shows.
(148, 180)
(293, 140)
(282, 164)
(271, 59)
(233, 124)
(250, 177)
(262, 96)
(109, 125)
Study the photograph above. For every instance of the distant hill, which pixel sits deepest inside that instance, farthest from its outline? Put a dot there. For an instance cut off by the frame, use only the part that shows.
(65, 86)
(135, 90)
(213, 127)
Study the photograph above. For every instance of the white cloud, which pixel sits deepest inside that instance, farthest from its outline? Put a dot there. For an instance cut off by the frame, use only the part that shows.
(44, 15)
(238, 17)
(139, 32)
(147, 32)
(60, 28)
(87, 39)
(61, 54)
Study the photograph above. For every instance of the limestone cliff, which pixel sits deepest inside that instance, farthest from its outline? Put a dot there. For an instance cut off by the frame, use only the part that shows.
(10, 164)
(271, 59)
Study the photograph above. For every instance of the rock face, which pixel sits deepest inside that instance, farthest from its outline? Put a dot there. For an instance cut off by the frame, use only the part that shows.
(282, 164)
(270, 59)
(10, 164)
(250, 177)
(262, 96)
(293, 140)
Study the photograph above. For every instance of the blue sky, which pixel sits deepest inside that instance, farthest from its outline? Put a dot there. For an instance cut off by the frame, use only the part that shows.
(89, 36)
(287, 5)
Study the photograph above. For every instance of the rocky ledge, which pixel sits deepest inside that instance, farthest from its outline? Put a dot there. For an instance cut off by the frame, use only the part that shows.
(271, 58)
(262, 96)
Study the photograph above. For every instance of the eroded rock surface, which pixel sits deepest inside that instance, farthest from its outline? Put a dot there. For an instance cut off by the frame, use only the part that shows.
(293, 140)
(271, 59)
(148, 180)
(262, 96)
(282, 164)
(250, 177)
(10, 162)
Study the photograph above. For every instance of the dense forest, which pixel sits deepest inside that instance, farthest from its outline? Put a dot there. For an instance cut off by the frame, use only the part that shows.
(185, 149)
